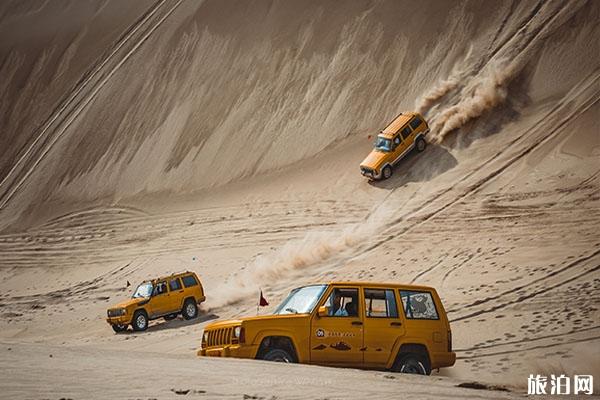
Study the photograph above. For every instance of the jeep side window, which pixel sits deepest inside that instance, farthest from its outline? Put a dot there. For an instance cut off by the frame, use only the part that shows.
(418, 305)
(380, 303)
(160, 288)
(174, 285)
(189, 281)
(396, 141)
(343, 303)
(415, 123)
(405, 132)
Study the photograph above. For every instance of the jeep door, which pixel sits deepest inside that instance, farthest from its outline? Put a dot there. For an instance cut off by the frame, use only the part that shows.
(408, 137)
(175, 295)
(417, 125)
(192, 287)
(383, 325)
(423, 322)
(159, 303)
(402, 142)
(337, 338)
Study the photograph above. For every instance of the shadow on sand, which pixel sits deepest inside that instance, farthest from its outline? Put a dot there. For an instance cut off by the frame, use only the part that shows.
(162, 324)
(419, 167)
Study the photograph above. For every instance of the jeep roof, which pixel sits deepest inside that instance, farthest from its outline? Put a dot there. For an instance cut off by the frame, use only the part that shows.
(396, 124)
(170, 276)
(373, 284)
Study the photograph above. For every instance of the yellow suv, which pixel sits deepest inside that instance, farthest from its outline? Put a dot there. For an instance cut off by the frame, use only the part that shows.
(405, 132)
(164, 297)
(367, 325)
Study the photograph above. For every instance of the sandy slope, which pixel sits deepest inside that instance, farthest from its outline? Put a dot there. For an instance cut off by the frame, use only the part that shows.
(238, 159)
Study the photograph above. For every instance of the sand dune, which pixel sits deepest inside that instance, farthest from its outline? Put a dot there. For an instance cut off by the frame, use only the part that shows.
(224, 137)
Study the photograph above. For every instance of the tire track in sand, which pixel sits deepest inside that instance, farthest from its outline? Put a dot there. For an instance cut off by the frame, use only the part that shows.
(533, 293)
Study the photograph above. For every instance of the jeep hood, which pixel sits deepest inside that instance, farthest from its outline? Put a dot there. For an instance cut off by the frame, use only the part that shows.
(374, 159)
(234, 322)
(129, 302)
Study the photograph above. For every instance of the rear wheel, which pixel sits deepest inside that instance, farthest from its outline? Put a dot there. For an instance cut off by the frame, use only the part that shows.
(411, 363)
(387, 172)
(190, 310)
(421, 144)
(139, 321)
(119, 328)
(278, 355)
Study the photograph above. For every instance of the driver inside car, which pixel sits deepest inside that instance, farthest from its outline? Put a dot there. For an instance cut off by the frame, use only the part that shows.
(337, 310)
(160, 288)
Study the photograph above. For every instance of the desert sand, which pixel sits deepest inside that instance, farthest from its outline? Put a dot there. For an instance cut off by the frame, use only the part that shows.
(224, 137)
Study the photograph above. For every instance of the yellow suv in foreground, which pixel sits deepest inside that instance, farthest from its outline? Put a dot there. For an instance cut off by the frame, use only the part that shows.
(367, 325)
(405, 132)
(164, 297)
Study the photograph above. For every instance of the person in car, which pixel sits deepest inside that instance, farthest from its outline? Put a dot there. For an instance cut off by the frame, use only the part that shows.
(337, 310)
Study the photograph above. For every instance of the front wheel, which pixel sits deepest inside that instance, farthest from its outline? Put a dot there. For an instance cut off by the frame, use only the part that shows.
(278, 355)
(190, 310)
(139, 321)
(421, 144)
(119, 328)
(387, 172)
(412, 364)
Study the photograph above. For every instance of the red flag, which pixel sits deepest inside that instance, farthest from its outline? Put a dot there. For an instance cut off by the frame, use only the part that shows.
(262, 302)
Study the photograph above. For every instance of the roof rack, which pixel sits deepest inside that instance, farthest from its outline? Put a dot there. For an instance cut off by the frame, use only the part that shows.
(392, 120)
(171, 274)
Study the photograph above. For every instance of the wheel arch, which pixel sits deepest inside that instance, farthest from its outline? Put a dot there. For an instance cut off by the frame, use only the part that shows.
(185, 299)
(142, 309)
(408, 346)
(282, 340)
(384, 166)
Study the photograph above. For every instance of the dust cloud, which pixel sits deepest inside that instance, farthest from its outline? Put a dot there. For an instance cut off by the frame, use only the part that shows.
(295, 256)
(479, 84)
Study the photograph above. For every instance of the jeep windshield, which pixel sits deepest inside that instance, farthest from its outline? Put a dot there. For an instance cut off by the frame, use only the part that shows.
(143, 290)
(383, 144)
(301, 300)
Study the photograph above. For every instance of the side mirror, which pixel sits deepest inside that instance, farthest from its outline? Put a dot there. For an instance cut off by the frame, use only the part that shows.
(323, 311)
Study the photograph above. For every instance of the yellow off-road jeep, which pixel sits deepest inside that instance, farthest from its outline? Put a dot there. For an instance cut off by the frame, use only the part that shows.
(367, 325)
(164, 297)
(405, 132)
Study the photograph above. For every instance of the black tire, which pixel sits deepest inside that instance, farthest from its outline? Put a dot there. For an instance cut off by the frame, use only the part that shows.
(190, 309)
(387, 172)
(278, 355)
(420, 144)
(119, 328)
(170, 317)
(412, 363)
(139, 322)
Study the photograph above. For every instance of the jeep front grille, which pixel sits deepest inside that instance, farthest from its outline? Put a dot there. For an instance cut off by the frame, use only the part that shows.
(366, 170)
(219, 337)
(115, 312)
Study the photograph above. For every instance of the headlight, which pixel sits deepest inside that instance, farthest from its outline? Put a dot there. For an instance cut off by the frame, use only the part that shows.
(239, 334)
